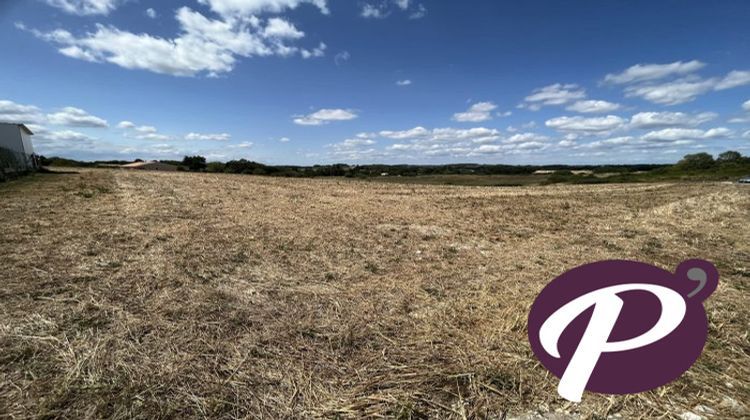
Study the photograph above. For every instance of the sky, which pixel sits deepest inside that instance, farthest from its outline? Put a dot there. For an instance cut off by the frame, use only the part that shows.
(379, 81)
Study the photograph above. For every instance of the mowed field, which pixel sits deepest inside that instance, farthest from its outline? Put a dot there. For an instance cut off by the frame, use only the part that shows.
(176, 295)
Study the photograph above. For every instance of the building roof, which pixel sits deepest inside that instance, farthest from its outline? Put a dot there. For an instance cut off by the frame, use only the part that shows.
(23, 127)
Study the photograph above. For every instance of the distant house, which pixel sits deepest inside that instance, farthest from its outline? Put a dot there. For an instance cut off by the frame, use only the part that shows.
(150, 166)
(16, 150)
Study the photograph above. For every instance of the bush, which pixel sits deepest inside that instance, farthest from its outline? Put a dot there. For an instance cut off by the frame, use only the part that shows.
(696, 162)
(729, 157)
(194, 163)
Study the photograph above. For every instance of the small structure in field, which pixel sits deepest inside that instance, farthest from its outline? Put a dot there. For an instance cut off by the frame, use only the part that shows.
(150, 166)
(544, 172)
(16, 150)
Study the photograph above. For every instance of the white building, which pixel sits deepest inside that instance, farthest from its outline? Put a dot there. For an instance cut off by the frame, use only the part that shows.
(16, 150)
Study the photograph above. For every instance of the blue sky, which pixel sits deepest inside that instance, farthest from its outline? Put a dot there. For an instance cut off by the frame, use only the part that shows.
(391, 81)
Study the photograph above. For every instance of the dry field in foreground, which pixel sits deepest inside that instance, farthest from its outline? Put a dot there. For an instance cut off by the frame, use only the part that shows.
(158, 295)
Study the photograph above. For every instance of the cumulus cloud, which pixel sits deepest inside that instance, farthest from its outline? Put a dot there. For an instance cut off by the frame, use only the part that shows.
(280, 28)
(382, 9)
(231, 8)
(476, 135)
(734, 79)
(86, 7)
(557, 94)
(585, 126)
(478, 112)
(371, 11)
(325, 116)
(746, 106)
(672, 93)
(204, 45)
(143, 132)
(207, 137)
(12, 112)
(76, 117)
(647, 81)
(648, 72)
(650, 120)
(405, 82)
(151, 13)
(593, 107)
(675, 134)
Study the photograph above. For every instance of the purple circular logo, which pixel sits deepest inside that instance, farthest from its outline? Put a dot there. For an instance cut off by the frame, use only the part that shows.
(621, 327)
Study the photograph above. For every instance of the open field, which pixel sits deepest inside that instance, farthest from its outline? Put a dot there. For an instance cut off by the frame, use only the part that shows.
(155, 295)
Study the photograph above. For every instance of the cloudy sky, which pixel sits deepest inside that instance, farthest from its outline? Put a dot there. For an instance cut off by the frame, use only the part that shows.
(392, 81)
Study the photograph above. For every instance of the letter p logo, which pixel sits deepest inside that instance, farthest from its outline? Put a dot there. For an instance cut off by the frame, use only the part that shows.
(621, 327)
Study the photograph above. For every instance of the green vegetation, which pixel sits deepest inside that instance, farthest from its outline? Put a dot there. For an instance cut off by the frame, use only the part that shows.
(729, 165)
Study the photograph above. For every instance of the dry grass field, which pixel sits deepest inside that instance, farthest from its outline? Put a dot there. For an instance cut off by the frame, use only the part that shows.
(176, 295)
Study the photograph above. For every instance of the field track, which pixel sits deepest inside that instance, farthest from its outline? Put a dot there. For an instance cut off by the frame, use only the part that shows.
(173, 295)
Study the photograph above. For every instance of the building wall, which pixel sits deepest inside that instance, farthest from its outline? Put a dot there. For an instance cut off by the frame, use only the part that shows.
(14, 149)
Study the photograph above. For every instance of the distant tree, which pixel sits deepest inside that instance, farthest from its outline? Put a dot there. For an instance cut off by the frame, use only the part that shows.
(215, 167)
(138, 160)
(696, 162)
(729, 157)
(194, 163)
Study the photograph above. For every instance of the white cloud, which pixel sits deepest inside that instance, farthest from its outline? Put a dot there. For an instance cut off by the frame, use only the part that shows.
(151, 13)
(672, 93)
(370, 11)
(342, 58)
(583, 125)
(326, 116)
(86, 7)
(734, 79)
(402, 4)
(675, 134)
(746, 106)
(444, 135)
(645, 81)
(207, 137)
(405, 82)
(478, 112)
(204, 45)
(557, 94)
(17, 113)
(526, 138)
(146, 129)
(419, 13)
(648, 72)
(280, 28)
(285, 140)
(76, 117)
(593, 107)
(383, 9)
(154, 137)
(230, 8)
(649, 120)
(143, 132)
